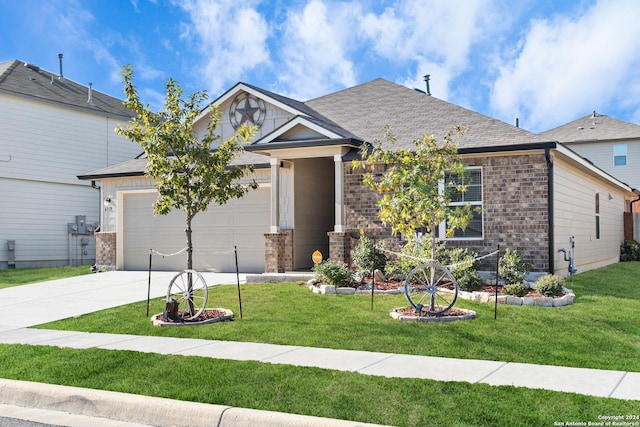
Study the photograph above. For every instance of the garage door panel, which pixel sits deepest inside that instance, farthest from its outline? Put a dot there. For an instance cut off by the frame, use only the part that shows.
(248, 219)
(240, 222)
(213, 217)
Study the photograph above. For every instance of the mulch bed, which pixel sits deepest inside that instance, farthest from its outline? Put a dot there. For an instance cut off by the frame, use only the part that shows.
(208, 315)
(395, 284)
(410, 311)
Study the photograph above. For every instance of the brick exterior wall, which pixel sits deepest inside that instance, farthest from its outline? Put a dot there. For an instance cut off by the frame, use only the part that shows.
(274, 250)
(515, 203)
(339, 246)
(288, 249)
(106, 249)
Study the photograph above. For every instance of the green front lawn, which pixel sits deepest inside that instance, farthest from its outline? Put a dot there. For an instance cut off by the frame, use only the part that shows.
(23, 276)
(308, 391)
(600, 330)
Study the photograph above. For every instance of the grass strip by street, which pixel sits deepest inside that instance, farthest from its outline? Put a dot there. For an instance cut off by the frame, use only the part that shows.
(309, 391)
(600, 330)
(23, 276)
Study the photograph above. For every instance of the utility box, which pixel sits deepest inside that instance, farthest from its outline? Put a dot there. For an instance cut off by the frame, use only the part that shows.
(11, 254)
(80, 226)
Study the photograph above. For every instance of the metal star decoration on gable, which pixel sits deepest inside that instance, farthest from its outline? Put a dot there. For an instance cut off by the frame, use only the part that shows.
(247, 108)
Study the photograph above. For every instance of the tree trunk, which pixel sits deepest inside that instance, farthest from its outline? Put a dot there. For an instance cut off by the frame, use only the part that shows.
(188, 232)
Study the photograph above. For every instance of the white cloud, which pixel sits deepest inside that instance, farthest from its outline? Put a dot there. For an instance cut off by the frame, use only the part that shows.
(430, 38)
(568, 66)
(230, 37)
(314, 48)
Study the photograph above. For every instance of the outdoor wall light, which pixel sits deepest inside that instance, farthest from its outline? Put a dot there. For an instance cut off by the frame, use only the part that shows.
(108, 202)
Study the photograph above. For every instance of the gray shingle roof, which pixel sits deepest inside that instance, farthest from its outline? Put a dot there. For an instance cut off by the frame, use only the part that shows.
(360, 113)
(136, 167)
(594, 127)
(27, 80)
(364, 110)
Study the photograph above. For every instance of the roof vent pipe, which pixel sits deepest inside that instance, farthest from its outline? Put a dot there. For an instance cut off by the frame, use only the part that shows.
(426, 79)
(517, 122)
(90, 98)
(60, 60)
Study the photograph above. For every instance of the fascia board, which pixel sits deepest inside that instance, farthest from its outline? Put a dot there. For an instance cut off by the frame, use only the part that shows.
(241, 87)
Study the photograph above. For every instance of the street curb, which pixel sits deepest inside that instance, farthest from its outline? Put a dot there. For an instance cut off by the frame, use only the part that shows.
(154, 411)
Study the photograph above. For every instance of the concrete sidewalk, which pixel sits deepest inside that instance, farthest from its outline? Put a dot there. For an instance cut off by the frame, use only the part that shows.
(593, 382)
(24, 306)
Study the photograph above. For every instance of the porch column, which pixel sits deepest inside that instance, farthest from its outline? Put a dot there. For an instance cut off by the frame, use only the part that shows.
(339, 225)
(275, 195)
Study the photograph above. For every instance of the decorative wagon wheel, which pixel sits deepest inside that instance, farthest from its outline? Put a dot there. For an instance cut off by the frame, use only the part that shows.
(431, 288)
(190, 291)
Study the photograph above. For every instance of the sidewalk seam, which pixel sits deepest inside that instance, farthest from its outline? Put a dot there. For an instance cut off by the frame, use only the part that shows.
(617, 384)
(374, 363)
(280, 354)
(491, 373)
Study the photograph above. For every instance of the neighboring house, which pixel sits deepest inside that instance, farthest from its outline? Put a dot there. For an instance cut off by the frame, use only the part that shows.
(51, 130)
(611, 144)
(534, 193)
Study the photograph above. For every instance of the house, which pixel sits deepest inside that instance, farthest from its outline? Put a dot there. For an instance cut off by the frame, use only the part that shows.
(51, 130)
(534, 193)
(611, 144)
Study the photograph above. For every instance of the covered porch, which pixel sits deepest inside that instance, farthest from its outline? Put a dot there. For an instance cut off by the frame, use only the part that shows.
(307, 202)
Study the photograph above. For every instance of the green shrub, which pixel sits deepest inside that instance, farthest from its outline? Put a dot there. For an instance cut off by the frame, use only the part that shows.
(549, 285)
(512, 268)
(335, 273)
(464, 266)
(630, 251)
(414, 253)
(363, 255)
(516, 289)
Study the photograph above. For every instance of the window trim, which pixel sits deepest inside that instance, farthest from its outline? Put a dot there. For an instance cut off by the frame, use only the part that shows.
(479, 204)
(616, 154)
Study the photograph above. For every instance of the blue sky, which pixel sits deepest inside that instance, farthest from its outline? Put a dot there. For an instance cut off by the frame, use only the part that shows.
(545, 62)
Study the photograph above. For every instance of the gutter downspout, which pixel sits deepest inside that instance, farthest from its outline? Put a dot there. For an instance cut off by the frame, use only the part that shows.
(547, 155)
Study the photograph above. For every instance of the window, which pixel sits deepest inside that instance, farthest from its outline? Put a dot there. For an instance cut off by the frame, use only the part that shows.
(620, 155)
(473, 181)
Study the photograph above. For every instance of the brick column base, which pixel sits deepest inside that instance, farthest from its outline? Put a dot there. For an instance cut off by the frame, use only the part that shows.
(106, 250)
(288, 249)
(274, 252)
(339, 247)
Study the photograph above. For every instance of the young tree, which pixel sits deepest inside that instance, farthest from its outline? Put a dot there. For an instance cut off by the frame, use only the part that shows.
(415, 193)
(190, 173)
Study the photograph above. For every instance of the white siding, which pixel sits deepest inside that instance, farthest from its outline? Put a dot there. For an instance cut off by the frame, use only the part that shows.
(53, 144)
(36, 214)
(44, 147)
(575, 213)
(601, 154)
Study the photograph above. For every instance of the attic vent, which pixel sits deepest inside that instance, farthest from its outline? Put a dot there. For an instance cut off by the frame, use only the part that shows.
(31, 66)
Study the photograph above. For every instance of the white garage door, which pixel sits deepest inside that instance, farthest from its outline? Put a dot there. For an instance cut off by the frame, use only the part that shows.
(240, 222)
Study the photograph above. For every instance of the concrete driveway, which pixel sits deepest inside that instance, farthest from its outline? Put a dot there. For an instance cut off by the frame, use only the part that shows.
(29, 305)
